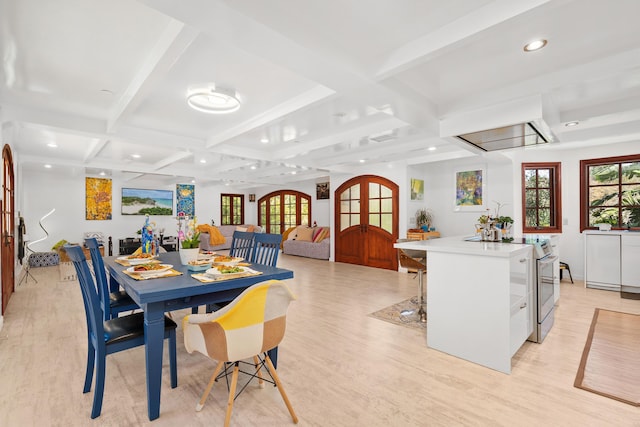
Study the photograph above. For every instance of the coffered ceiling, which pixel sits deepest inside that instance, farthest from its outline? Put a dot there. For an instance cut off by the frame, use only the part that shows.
(326, 86)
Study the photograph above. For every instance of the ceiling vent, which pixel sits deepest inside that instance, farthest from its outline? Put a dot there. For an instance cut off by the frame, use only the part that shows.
(502, 138)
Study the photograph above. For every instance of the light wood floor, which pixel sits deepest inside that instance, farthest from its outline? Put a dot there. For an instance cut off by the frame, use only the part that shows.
(340, 367)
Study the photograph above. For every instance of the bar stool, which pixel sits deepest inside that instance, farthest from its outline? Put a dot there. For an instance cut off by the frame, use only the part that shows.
(419, 264)
(565, 266)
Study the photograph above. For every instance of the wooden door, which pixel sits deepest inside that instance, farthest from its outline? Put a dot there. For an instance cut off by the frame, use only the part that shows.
(366, 222)
(7, 227)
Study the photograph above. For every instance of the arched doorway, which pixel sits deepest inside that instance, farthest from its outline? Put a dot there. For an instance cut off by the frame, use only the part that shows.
(366, 222)
(7, 226)
(279, 210)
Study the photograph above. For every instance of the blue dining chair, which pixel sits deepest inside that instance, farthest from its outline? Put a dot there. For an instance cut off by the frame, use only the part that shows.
(110, 336)
(242, 244)
(112, 303)
(266, 248)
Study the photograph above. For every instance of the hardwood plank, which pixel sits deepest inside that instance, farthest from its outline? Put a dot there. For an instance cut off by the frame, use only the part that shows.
(339, 366)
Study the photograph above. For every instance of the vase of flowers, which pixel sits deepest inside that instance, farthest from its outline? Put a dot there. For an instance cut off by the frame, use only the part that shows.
(189, 239)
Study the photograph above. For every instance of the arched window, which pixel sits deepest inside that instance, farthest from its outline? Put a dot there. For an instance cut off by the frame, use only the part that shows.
(283, 209)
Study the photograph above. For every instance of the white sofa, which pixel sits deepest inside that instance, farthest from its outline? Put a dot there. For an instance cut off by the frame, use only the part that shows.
(299, 241)
(227, 232)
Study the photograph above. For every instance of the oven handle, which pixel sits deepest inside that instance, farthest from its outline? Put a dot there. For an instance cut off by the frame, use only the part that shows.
(548, 259)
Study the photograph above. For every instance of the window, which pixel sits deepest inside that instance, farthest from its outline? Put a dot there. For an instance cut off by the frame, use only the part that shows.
(283, 209)
(231, 209)
(610, 192)
(541, 198)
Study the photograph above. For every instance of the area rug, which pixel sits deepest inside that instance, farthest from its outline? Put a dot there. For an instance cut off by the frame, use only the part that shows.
(610, 365)
(393, 314)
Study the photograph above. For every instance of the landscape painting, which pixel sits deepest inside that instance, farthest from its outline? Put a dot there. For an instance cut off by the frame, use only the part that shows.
(137, 201)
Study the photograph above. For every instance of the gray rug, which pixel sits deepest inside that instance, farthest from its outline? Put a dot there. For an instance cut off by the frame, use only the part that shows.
(393, 314)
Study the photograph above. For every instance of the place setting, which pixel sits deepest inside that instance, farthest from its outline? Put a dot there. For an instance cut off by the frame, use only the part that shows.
(224, 268)
(137, 259)
(151, 271)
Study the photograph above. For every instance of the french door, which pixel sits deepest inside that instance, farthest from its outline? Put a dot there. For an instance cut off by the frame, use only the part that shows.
(7, 226)
(366, 220)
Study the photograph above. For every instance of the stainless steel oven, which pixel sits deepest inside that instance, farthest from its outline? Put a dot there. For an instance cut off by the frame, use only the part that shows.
(543, 291)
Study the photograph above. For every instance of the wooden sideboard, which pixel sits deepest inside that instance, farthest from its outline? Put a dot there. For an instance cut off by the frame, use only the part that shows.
(422, 235)
(64, 258)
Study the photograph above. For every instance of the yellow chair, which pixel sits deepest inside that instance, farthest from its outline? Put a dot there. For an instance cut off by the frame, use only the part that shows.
(247, 328)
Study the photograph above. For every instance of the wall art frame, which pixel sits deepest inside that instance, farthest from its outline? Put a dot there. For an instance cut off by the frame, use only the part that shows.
(139, 201)
(470, 189)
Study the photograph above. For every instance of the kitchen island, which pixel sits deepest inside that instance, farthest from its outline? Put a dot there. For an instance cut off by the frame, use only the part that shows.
(479, 298)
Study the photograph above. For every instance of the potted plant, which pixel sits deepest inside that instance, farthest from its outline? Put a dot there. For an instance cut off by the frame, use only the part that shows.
(424, 218)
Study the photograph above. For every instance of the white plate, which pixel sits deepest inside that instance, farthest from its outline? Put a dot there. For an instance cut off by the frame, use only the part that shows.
(136, 261)
(232, 262)
(161, 268)
(214, 272)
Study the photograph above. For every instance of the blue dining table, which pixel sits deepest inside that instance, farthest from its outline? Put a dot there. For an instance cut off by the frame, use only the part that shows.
(165, 294)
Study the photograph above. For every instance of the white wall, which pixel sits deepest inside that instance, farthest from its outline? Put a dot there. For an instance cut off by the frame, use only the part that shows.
(43, 191)
(503, 184)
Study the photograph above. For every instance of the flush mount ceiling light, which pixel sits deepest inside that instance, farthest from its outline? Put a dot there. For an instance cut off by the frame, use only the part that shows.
(214, 100)
(535, 45)
(570, 124)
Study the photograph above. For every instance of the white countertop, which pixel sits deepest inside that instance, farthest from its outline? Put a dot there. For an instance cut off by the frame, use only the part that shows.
(458, 245)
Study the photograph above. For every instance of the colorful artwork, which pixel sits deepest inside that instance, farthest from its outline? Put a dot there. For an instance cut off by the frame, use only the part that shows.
(417, 189)
(469, 188)
(98, 198)
(185, 199)
(147, 202)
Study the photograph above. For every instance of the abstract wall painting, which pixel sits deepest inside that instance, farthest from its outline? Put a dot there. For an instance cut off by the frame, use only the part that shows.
(470, 189)
(417, 189)
(98, 198)
(185, 200)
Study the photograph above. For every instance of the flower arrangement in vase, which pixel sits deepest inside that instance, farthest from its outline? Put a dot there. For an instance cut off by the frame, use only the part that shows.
(189, 239)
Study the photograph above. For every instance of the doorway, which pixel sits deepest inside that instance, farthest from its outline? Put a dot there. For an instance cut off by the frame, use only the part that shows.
(7, 227)
(366, 222)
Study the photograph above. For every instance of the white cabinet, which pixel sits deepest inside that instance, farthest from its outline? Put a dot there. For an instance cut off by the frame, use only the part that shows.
(478, 299)
(602, 260)
(521, 324)
(630, 263)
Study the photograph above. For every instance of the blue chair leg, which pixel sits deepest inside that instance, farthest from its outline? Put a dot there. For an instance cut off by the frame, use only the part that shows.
(98, 392)
(88, 378)
(194, 310)
(172, 359)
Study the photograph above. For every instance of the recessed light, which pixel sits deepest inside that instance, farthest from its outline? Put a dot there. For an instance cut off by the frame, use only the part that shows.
(203, 160)
(253, 167)
(193, 181)
(432, 148)
(136, 156)
(47, 166)
(361, 160)
(264, 140)
(52, 145)
(569, 124)
(535, 45)
(102, 173)
(293, 172)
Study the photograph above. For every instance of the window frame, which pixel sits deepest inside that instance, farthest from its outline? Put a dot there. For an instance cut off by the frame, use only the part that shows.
(231, 208)
(584, 186)
(555, 199)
